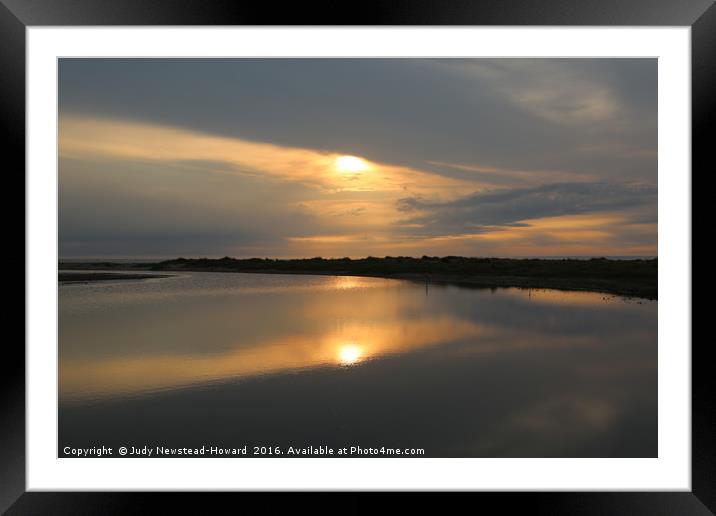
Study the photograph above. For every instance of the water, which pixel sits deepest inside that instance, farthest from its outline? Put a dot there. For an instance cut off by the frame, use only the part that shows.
(215, 359)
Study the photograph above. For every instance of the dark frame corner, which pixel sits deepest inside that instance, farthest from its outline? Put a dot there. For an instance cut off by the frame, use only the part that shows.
(17, 15)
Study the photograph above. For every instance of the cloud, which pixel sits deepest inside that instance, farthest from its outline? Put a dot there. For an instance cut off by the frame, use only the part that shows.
(603, 94)
(130, 187)
(511, 207)
(87, 137)
(507, 113)
(496, 176)
(237, 156)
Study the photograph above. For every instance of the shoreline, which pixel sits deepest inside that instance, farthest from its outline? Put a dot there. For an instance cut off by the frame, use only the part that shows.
(89, 277)
(591, 277)
(566, 284)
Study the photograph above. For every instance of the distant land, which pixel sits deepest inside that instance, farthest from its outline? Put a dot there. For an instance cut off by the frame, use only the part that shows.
(84, 277)
(631, 278)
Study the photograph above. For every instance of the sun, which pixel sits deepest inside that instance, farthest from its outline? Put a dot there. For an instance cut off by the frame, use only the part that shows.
(350, 354)
(350, 164)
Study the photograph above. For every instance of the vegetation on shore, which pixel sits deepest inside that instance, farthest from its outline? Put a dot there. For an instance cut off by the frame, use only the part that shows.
(636, 277)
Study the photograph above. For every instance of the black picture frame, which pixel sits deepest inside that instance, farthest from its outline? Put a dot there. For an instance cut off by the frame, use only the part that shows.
(17, 15)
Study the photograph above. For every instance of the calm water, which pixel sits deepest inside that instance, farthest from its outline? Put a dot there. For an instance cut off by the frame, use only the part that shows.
(279, 360)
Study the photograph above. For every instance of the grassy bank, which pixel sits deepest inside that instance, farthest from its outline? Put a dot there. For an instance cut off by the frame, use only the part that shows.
(637, 278)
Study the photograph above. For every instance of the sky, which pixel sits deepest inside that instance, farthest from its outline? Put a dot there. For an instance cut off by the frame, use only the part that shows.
(357, 157)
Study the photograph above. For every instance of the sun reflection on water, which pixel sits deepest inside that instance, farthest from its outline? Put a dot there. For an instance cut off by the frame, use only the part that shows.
(351, 345)
(349, 282)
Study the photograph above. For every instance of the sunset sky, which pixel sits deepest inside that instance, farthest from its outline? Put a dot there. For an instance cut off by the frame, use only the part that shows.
(357, 157)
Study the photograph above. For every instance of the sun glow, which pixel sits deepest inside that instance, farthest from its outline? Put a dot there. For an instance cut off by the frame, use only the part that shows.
(350, 164)
(350, 354)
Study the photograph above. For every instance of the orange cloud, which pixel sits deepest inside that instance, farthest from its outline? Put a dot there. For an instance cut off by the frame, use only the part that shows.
(86, 137)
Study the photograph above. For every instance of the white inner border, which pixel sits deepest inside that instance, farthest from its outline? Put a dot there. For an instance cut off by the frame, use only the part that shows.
(671, 471)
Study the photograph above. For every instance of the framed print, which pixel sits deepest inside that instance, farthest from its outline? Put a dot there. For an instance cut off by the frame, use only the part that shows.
(433, 247)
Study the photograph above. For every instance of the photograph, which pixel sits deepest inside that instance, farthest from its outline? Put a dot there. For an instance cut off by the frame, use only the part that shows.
(346, 257)
(431, 246)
